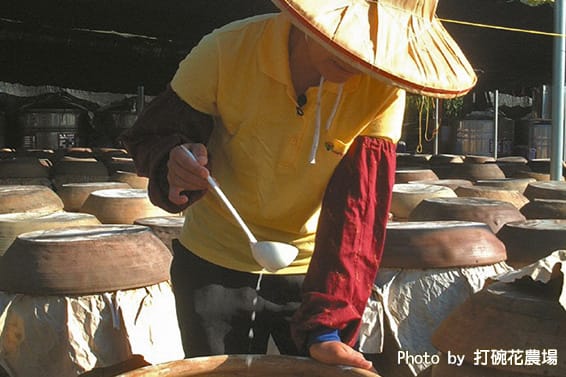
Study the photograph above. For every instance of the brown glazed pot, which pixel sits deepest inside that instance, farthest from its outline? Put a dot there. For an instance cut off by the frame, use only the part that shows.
(248, 366)
(494, 213)
(543, 177)
(84, 260)
(518, 184)
(14, 224)
(120, 206)
(28, 198)
(474, 172)
(510, 164)
(440, 244)
(451, 183)
(531, 240)
(512, 196)
(406, 196)
(506, 317)
(78, 166)
(75, 194)
(24, 167)
(134, 180)
(443, 158)
(545, 209)
(413, 160)
(546, 190)
(407, 175)
(77, 169)
(167, 228)
(478, 159)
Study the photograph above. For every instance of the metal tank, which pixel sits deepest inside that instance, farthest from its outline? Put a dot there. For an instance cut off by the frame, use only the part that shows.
(54, 121)
(475, 135)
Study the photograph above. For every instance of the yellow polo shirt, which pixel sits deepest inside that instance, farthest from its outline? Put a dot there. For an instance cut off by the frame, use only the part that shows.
(260, 146)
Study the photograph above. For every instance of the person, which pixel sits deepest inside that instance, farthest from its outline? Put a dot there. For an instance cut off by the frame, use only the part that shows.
(295, 115)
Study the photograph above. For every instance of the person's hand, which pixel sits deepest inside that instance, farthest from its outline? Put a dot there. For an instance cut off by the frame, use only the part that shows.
(335, 353)
(185, 174)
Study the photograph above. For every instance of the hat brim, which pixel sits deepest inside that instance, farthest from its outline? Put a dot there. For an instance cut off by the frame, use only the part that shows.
(408, 50)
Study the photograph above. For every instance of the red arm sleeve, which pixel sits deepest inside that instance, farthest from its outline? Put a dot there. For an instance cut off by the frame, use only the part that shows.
(349, 241)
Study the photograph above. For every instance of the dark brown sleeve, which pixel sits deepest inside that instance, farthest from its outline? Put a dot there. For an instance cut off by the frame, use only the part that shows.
(167, 121)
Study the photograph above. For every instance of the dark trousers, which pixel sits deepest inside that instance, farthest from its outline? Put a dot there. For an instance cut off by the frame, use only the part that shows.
(215, 306)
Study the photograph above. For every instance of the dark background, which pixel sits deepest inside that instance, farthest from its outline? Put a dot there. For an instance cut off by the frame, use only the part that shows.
(117, 45)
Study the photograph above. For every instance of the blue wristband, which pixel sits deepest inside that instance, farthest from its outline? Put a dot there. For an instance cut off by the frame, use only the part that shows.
(323, 335)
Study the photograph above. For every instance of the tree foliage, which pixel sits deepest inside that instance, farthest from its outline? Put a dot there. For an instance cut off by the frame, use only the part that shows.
(535, 3)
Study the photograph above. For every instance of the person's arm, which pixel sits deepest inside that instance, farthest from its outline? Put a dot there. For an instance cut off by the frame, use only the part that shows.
(165, 122)
(348, 248)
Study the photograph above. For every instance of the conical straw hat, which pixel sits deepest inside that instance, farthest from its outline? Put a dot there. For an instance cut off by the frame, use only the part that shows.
(399, 41)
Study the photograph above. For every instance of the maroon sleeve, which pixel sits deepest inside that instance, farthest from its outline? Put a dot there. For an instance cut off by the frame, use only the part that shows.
(165, 122)
(349, 241)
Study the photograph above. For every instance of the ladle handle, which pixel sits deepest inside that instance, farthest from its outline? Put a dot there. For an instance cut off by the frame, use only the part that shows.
(224, 199)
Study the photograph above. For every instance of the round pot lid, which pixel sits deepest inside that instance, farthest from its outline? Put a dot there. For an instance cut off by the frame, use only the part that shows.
(531, 240)
(84, 260)
(512, 196)
(545, 209)
(440, 244)
(546, 190)
(494, 213)
(406, 196)
(24, 198)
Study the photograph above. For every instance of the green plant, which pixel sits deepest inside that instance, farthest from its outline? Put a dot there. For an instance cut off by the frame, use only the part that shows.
(423, 109)
(536, 3)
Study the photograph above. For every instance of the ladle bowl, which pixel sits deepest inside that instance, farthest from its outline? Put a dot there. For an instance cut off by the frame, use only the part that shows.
(273, 255)
(270, 255)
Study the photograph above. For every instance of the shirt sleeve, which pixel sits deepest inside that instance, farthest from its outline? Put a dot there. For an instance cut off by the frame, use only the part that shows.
(349, 242)
(196, 79)
(167, 121)
(388, 120)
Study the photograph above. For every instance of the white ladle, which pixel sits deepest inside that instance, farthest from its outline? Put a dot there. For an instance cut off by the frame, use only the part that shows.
(270, 255)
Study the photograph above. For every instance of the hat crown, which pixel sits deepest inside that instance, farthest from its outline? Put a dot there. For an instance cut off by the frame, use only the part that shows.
(399, 41)
(421, 8)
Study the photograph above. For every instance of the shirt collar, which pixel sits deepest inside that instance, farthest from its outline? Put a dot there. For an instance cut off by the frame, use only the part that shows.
(274, 49)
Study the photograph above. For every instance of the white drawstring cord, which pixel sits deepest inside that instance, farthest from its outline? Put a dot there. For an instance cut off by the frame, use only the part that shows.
(314, 145)
(335, 107)
(316, 136)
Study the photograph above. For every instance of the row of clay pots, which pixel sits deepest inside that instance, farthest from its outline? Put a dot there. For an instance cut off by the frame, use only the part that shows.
(31, 170)
(132, 206)
(406, 197)
(477, 167)
(28, 207)
(98, 290)
(519, 192)
(475, 224)
(100, 153)
(73, 265)
(501, 231)
(526, 238)
(110, 202)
